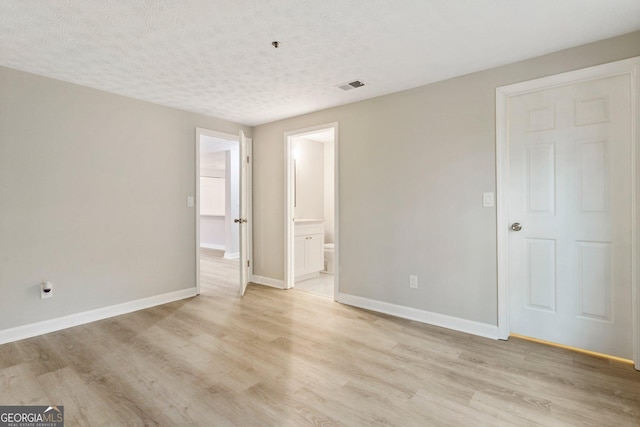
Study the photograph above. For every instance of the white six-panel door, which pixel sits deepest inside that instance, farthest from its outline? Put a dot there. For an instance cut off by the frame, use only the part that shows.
(570, 189)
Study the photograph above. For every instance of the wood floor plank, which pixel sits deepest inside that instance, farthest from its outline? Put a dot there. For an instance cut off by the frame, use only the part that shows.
(450, 412)
(41, 356)
(10, 355)
(290, 358)
(80, 399)
(86, 348)
(19, 386)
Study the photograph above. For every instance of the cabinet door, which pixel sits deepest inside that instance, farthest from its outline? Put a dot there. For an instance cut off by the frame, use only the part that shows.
(299, 255)
(315, 253)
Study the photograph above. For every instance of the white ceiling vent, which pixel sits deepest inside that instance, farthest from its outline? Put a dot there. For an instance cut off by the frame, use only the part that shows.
(351, 85)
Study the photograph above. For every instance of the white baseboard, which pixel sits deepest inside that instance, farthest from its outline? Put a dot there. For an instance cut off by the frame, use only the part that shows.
(307, 276)
(231, 255)
(267, 281)
(52, 325)
(442, 320)
(212, 246)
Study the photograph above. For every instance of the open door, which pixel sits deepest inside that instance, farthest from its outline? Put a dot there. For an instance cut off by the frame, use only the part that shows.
(238, 203)
(242, 221)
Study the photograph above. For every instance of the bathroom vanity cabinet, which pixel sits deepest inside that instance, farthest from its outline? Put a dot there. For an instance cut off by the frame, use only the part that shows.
(308, 249)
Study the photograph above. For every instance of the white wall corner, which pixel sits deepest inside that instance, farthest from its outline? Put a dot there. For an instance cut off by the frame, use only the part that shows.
(76, 319)
(436, 319)
(212, 246)
(267, 281)
(231, 255)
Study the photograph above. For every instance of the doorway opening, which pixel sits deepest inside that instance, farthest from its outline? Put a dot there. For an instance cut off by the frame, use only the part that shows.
(311, 207)
(221, 212)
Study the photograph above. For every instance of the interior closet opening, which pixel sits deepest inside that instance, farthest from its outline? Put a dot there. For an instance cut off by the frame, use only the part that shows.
(218, 205)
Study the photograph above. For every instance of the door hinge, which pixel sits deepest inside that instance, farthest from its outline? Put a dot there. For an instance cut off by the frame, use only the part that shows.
(248, 263)
(247, 159)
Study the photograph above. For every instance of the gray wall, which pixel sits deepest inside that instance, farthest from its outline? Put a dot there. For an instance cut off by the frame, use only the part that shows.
(93, 191)
(413, 167)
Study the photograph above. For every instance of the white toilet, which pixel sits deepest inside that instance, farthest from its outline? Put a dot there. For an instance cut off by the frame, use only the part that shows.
(328, 258)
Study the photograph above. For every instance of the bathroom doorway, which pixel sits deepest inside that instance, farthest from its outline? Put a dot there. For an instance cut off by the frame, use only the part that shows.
(311, 231)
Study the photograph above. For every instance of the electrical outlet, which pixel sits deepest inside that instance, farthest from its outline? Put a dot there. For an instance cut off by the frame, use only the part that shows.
(413, 281)
(190, 201)
(46, 290)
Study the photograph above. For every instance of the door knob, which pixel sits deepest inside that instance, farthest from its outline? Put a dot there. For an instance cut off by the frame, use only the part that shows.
(516, 226)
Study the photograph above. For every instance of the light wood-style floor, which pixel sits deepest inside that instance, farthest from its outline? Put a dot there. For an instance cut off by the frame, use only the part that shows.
(287, 358)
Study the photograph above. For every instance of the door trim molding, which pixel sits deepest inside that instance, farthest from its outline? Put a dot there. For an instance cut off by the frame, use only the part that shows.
(289, 275)
(629, 67)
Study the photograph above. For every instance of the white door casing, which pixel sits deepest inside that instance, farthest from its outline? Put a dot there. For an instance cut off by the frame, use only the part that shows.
(566, 155)
(243, 221)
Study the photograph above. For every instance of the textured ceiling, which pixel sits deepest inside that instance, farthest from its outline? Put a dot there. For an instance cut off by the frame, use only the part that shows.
(215, 56)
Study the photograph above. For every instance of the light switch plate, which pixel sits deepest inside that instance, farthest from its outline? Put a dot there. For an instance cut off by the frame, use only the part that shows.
(487, 200)
(413, 281)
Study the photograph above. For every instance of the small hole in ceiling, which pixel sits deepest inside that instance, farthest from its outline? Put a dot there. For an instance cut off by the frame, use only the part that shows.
(275, 44)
